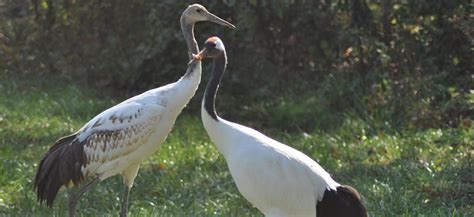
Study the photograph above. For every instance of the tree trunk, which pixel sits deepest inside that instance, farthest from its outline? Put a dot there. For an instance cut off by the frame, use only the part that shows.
(361, 15)
(387, 28)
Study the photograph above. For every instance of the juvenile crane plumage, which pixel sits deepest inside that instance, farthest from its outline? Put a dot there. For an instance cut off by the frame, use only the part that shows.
(117, 140)
(275, 178)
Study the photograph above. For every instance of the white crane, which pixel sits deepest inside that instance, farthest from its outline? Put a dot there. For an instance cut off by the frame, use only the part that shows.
(117, 140)
(275, 178)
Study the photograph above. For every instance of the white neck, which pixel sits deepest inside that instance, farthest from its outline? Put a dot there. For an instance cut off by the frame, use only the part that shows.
(218, 130)
(187, 85)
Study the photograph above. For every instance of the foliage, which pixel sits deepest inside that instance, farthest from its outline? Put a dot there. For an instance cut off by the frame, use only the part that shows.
(424, 173)
(378, 92)
(294, 64)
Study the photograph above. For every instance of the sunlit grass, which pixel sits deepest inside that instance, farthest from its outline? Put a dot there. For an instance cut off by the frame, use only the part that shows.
(424, 173)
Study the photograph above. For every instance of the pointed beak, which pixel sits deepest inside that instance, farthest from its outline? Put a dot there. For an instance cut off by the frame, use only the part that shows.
(198, 57)
(215, 19)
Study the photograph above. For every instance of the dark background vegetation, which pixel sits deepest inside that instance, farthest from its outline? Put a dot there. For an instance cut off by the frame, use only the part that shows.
(294, 64)
(379, 92)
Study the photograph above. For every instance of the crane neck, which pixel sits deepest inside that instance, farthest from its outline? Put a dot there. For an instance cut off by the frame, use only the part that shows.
(189, 82)
(187, 28)
(209, 100)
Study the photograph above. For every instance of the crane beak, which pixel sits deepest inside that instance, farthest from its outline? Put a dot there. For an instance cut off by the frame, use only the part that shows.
(198, 57)
(215, 19)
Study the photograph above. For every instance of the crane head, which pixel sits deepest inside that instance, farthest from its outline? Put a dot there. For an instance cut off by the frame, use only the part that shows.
(213, 48)
(196, 13)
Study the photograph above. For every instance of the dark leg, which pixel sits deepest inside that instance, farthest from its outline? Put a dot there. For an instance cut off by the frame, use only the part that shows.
(75, 198)
(124, 209)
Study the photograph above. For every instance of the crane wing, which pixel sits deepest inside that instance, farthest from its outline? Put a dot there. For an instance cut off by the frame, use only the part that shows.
(117, 131)
(303, 163)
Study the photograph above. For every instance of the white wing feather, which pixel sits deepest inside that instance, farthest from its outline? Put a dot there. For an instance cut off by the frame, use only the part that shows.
(118, 131)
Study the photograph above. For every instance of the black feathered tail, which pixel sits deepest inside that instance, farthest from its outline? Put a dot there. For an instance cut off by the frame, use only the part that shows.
(344, 202)
(60, 166)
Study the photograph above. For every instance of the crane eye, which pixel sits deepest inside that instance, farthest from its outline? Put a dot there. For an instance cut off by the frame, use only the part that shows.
(198, 10)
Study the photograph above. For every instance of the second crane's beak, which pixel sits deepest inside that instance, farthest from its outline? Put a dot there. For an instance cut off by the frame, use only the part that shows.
(215, 19)
(198, 57)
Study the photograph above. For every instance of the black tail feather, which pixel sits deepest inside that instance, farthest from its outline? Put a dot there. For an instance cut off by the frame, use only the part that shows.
(60, 166)
(344, 202)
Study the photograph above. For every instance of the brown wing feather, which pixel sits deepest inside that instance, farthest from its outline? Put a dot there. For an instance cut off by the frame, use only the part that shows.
(60, 166)
(103, 146)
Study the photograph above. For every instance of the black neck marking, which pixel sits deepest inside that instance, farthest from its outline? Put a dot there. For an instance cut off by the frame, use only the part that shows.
(218, 70)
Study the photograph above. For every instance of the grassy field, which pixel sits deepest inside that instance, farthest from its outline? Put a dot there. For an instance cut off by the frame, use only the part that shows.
(424, 173)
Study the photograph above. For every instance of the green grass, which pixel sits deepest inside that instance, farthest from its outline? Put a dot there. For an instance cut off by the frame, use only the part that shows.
(424, 173)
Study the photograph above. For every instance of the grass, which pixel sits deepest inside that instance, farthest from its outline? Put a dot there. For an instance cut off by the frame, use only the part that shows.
(403, 173)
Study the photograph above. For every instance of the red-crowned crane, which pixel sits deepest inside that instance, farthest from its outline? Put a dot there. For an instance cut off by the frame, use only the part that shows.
(275, 178)
(117, 140)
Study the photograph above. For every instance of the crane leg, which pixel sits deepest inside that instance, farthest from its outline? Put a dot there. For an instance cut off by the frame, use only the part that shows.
(128, 176)
(75, 198)
(124, 209)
